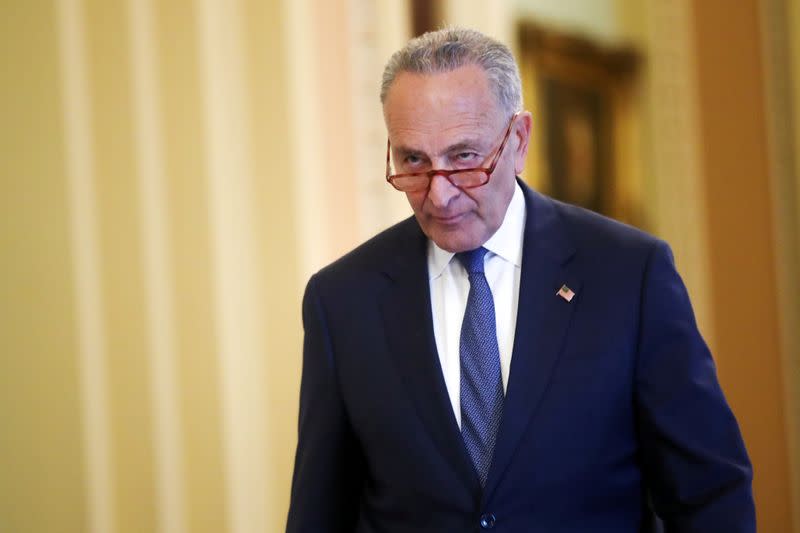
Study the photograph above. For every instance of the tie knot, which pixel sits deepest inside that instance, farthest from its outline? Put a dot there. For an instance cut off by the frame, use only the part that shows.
(472, 259)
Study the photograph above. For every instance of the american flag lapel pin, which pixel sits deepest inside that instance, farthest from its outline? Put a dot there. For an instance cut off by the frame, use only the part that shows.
(566, 293)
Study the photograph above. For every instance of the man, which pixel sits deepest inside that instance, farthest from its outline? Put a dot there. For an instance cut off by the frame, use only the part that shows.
(502, 360)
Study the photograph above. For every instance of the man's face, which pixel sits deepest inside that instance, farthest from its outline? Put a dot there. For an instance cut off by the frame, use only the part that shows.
(451, 120)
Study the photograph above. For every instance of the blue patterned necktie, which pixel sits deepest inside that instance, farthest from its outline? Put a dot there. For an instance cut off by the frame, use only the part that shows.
(481, 382)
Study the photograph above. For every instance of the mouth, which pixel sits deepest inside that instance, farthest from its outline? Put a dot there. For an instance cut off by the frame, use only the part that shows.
(451, 220)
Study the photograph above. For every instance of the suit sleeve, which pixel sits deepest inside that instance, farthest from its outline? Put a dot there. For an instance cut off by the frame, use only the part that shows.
(694, 460)
(328, 470)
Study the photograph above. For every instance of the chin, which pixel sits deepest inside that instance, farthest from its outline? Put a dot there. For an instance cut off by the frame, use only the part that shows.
(468, 234)
(455, 242)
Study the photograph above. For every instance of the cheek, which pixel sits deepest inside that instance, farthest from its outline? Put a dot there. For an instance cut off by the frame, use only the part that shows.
(495, 202)
(416, 199)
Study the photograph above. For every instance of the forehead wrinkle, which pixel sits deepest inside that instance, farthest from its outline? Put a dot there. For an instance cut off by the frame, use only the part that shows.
(469, 132)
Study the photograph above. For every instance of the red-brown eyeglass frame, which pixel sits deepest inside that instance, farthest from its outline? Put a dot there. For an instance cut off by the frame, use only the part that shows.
(447, 173)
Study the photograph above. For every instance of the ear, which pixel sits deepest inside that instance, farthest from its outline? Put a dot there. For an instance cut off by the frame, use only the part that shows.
(522, 132)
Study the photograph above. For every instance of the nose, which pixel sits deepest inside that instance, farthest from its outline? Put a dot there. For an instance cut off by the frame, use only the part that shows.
(441, 191)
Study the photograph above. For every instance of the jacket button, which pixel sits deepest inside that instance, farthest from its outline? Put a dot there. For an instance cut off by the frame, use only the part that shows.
(487, 521)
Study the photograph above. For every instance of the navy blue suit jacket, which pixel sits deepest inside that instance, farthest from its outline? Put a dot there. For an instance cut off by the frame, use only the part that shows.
(613, 410)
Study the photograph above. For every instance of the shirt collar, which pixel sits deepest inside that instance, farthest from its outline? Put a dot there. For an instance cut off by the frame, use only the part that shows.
(506, 241)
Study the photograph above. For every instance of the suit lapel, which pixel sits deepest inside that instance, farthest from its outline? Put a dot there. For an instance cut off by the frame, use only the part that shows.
(407, 318)
(542, 321)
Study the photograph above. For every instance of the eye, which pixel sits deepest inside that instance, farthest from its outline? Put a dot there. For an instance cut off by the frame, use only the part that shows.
(465, 157)
(414, 163)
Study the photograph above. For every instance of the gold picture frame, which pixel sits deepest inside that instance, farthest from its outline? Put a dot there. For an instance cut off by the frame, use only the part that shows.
(583, 96)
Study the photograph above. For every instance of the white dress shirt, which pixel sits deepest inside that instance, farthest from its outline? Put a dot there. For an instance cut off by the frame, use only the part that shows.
(449, 285)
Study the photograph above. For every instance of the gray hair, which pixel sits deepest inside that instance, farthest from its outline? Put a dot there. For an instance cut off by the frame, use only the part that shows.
(447, 49)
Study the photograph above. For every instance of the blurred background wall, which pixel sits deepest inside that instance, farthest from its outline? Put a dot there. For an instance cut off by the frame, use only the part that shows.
(173, 171)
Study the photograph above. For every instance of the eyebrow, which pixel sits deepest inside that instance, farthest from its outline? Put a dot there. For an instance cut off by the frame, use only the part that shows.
(474, 144)
(404, 150)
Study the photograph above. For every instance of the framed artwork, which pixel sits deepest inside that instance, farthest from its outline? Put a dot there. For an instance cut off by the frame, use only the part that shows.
(582, 95)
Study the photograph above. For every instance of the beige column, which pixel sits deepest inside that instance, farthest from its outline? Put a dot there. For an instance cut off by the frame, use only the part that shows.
(121, 279)
(157, 268)
(78, 143)
(732, 104)
(378, 29)
(674, 178)
(187, 228)
(43, 347)
(778, 28)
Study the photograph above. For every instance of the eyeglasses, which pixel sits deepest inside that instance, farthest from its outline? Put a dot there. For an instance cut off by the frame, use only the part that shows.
(463, 178)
